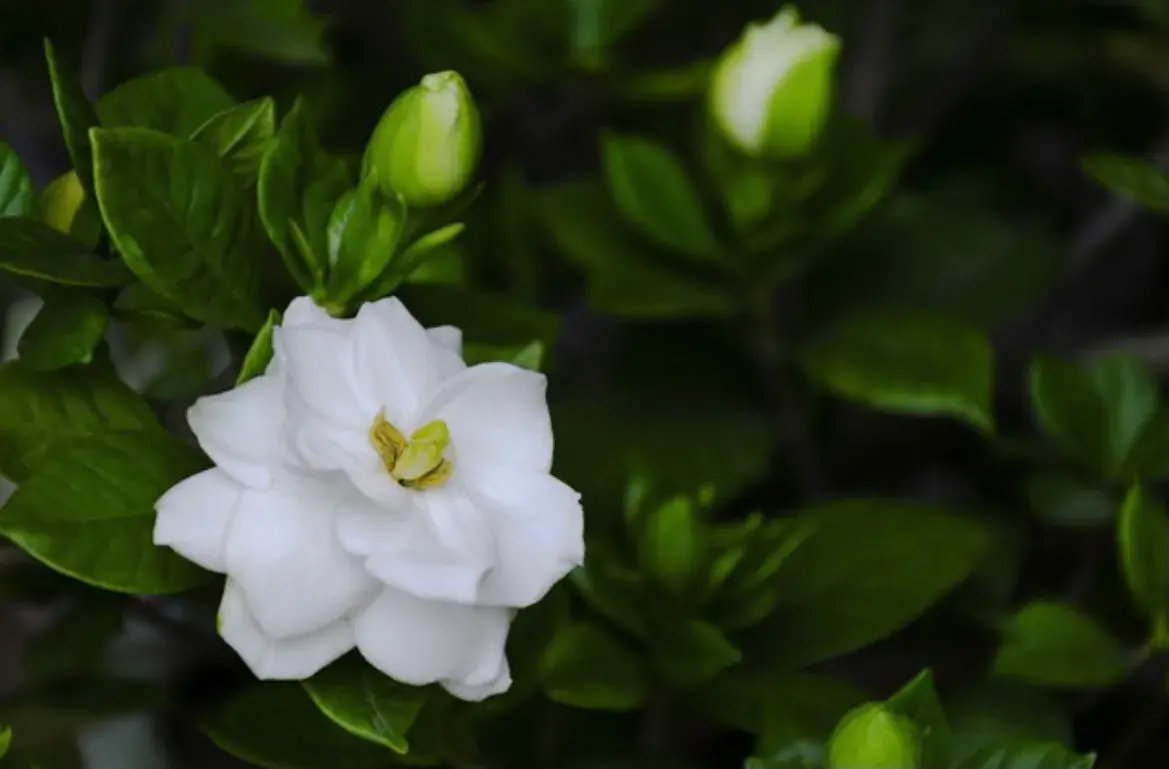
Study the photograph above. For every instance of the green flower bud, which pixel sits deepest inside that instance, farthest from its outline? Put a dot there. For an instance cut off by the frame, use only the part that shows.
(772, 89)
(427, 144)
(872, 737)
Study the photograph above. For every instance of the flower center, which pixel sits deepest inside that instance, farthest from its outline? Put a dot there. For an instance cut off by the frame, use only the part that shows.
(417, 463)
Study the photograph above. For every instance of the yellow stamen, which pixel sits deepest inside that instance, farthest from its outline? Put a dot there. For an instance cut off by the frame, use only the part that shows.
(417, 463)
(387, 441)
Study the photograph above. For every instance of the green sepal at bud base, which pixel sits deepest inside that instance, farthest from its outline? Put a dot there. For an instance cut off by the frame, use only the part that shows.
(363, 235)
(426, 146)
(873, 737)
(673, 544)
(772, 90)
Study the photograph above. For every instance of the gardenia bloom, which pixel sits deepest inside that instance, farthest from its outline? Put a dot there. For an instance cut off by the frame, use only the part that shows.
(371, 489)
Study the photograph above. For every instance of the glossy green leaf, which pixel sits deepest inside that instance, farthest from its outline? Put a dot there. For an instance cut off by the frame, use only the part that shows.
(42, 412)
(75, 113)
(918, 701)
(173, 101)
(586, 667)
(88, 511)
(65, 331)
(365, 702)
(181, 223)
(31, 249)
(1053, 644)
(260, 353)
(1143, 539)
(240, 134)
(906, 362)
(299, 185)
(275, 725)
(869, 568)
(16, 198)
(1132, 178)
(363, 234)
(413, 260)
(654, 193)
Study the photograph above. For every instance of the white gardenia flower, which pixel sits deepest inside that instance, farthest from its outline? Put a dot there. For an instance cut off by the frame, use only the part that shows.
(372, 490)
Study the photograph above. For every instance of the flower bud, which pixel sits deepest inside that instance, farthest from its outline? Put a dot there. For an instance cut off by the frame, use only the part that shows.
(772, 89)
(427, 144)
(872, 737)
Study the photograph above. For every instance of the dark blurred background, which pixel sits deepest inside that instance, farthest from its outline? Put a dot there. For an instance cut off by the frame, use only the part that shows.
(1004, 98)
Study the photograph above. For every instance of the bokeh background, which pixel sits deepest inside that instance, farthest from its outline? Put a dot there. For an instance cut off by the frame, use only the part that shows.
(994, 219)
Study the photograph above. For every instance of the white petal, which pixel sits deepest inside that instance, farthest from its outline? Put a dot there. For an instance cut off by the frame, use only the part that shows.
(442, 550)
(496, 412)
(241, 429)
(195, 516)
(303, 311)
(394, 358)
(284, 552)
(538, 526)
(450, 337)
(289, 659)
(421, 642)
(479, 692)
(321, 444)
(319, 363)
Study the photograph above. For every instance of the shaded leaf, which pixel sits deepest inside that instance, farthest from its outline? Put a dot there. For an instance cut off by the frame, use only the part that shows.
(174, 101)
(1053, 644)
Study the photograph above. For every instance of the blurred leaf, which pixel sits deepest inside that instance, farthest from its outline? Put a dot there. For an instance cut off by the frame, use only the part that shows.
(585, 667)
(365, 702)
(173, 101)
(672, 545)
(283, 30)
(1131, 397)
(16, 198)
(1026, 755)
(918, 701)
(42, 412)
(260, 353)
(1143, 539)
(597, 25)
(299, 185)
(75, 113)
(31, 249)
(1069, 407)
(88, 511)
(905, 362)
(782, 709)
(240, 134)
(869, 568)
(5, 740)
(750, 592)
(1132, 178)
(992, 714)
(612, 592)
(275, 725)
(181, 223)
(692, 653)
(485, 318)
(1065, 501)
(65, 331)
(654, 193)
(1052, 644)
(65, 206)
(622, 280)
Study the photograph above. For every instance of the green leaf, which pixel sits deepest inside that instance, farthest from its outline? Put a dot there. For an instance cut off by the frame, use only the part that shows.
(1143, 538)
(1027, 755)
(41, 413)
(1132, 178)
(906, 362)
(693, 653)
(5, 740)
(240, 134)
(586, 667)
(275, 725)
(65, 331)
(654, 193)
(869, 568)
(1131, 397)
(260, 353)
(31, 249)
(88, 511)
(1066, 501)
(181, 223)
(993, 714)
(794, 707)
(918, 701)
(363, 234)
(75, 113)
(1069, 407)
(1052, 644)
(66, 207)
(579, 219)
(282, 30)
(485, 318)
(299, 185)
(16, 198)
(366, 702)
(747, 576)
(672, 545)
(412, 260)
(599, 24)
(173, 101)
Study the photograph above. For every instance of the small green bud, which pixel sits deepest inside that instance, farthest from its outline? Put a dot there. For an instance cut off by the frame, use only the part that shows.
(427, 144)
(772, 89)
(673, 546)
(872, 737)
